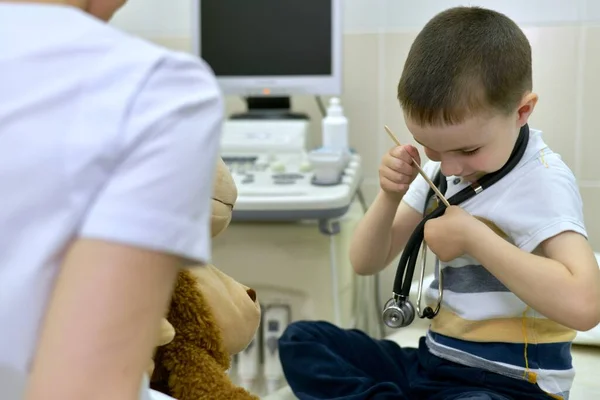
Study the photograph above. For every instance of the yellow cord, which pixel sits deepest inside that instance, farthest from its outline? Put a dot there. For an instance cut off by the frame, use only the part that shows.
(544, 163)
(524, 319)
(530, 376)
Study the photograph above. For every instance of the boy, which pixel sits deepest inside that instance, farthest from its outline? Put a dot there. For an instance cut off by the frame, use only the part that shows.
(519, 279)
(108, 147)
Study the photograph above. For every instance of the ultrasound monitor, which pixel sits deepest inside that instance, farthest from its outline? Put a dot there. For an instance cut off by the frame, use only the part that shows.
(268, 50)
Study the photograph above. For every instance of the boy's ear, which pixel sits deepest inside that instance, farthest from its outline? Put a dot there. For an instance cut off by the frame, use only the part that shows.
(526, 107)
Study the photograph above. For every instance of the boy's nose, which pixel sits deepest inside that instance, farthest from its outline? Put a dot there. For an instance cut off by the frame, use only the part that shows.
(450, 167)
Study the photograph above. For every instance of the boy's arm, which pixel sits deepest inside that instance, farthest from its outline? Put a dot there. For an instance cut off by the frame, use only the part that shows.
(386, 227)
(381, 234)
(564, 286)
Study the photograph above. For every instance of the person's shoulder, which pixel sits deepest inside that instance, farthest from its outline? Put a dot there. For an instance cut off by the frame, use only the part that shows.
(542, 199)
(127, 49)
(119, 54)
(544, 183)
(539, 170)
(151, 79)
(166, 142)
(544, 169)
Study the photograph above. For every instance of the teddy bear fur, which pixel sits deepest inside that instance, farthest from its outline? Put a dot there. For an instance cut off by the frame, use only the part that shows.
(212, 317)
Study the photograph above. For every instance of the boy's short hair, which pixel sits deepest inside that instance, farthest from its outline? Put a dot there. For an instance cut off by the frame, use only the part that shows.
(465, 61)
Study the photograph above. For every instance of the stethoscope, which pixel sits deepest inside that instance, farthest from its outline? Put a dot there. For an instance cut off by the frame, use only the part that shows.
(399, 311)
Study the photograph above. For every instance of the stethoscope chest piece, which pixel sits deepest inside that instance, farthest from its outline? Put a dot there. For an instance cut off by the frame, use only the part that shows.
(398, 313)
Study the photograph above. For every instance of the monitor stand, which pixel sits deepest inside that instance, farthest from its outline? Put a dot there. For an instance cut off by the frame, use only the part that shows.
(269, 108)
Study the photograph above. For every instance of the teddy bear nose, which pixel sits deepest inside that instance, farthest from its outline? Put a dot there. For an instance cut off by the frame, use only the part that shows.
(251, 294)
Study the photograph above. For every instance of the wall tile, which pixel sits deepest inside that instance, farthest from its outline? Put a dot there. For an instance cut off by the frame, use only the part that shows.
(395, 50)
(590, 140)
(555, 80)
(178, 43)
(363, 16)
(361, 96)
(591, 200)
(592, 11)
(155, 18)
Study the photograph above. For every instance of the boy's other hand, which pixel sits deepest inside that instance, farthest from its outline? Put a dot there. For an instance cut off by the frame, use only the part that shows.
(397, 170)
(448, 236)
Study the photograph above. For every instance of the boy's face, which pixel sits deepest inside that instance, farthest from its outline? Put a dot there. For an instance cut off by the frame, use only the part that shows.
(478, 146)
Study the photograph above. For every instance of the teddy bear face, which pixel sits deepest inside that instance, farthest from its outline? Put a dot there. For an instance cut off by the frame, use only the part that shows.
(234, 306)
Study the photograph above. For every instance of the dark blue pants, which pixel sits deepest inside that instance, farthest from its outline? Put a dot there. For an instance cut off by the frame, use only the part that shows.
(322, 361)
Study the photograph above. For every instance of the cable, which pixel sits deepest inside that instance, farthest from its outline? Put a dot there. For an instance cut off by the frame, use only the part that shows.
(334, 281)
(361, 200)
(377, 277)
(321, 106)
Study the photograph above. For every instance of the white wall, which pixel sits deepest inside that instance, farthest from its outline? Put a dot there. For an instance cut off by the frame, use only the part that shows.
(155, 18)
(171, 18)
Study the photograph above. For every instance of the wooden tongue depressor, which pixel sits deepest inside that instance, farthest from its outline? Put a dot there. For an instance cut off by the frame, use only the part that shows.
(423, 174)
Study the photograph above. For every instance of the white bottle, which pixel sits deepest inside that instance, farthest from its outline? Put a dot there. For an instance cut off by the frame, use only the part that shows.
(335, 127)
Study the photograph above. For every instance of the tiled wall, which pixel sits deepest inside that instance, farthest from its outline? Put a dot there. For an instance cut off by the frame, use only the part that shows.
(565, 36)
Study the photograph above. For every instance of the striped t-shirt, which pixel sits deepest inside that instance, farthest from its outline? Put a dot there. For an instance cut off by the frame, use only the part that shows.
(481, 323)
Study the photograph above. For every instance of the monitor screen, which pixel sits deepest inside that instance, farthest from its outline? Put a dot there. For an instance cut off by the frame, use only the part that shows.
(270, 47)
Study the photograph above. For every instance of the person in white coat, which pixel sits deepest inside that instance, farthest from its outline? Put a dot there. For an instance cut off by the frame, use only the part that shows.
(108, 147)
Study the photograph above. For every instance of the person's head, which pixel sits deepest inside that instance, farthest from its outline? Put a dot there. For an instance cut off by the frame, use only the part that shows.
(466, 89)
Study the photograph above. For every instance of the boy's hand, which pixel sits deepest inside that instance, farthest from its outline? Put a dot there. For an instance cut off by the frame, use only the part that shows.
(449, 236)
(397, 170)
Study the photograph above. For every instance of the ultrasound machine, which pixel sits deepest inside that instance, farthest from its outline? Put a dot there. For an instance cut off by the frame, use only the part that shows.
(266, 51)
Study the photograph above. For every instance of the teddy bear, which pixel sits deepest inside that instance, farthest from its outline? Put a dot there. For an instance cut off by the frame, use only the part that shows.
(211, 318)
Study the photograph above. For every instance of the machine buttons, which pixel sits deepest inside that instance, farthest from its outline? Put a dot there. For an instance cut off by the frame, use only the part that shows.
(287, 176)
(286, 179)
(277, 166)
(284, 182)
(305, 166)
(249, 178)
